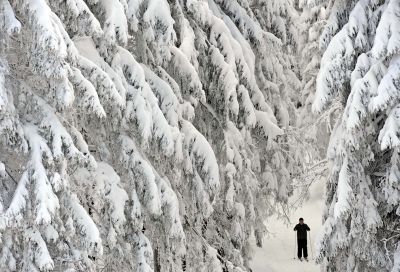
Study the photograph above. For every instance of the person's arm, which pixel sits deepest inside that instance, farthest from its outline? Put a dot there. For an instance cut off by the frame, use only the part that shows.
(307, 228)
(295, 228)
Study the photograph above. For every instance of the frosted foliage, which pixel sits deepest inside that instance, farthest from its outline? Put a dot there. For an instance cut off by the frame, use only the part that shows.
(388, 35)
(316, 127)
(396, 266)
(390, 131)
(144, 135)
(343, 192)
(8, 21)
(39, 254)
(359, 67)
(46, 200)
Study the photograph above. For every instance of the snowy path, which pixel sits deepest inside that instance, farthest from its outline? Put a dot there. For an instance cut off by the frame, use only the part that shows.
(277, 253)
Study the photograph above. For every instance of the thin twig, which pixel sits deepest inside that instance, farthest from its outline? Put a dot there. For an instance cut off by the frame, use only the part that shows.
(8, 173)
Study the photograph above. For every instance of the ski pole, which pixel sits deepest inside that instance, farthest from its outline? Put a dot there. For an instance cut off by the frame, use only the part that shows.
(312, 253)
(295, 245)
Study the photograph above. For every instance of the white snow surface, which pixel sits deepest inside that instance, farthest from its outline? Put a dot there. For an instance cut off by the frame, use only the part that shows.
(278, 249)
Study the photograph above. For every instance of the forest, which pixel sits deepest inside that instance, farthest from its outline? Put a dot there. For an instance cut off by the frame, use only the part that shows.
(160, 135)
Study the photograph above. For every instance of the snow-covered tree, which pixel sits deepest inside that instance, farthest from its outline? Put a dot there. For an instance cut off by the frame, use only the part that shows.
(143, 135)
(316, 128)
(360, 67)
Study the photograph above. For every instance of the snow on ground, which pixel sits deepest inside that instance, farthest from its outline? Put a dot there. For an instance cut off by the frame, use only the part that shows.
(279, 249)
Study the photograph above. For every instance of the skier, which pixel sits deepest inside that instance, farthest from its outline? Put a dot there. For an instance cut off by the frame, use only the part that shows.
(302, 229)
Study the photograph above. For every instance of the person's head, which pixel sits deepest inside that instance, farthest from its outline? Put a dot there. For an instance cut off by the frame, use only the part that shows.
(301, 221)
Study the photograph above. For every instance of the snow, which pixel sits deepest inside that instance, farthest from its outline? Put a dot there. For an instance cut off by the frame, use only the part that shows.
(247, 25)
(90, 99)
(388, 136)
(188, 41)
(344, 191)
(211, 255)
(389, 24)
(168, 101)
(42, 256)
(3, 93)
(158, 12)
(146, 183)
(50, 234)
(13, 214)
(268, 123)
(144, 253)
(123, 80)
(142, 106)
(98, 72)
(279, 249)
(11, 23)
(136, 212)
(387, 92)
(330, 77)
(227, 79)
(198, 147)
(396, 265)
(132, 8)
(85, 224)
(46, 201)
(116, 25)
(114, 194)
(357, 109)
(79, 8)
(48, 37)
(2, 170)
(182, 64)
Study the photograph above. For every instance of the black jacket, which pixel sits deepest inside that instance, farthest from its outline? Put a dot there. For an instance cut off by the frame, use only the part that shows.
(301, 231)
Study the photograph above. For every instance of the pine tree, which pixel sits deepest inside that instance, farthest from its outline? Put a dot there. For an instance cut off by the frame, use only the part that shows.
(316, 128)
(143, 135)
(359, 66)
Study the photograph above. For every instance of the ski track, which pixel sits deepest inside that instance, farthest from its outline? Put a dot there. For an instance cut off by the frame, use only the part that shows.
(277, 254)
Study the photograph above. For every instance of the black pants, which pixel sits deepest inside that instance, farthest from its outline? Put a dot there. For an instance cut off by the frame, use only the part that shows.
(302, 246)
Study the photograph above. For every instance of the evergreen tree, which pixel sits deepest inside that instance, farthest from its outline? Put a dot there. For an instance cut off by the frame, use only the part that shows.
(317, 128)
(143, 135)
(360, 66)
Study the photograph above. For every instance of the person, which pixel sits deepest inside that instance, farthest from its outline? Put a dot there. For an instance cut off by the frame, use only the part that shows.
(302, 229)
